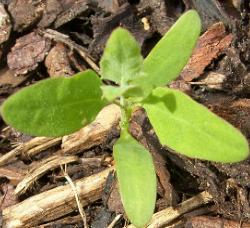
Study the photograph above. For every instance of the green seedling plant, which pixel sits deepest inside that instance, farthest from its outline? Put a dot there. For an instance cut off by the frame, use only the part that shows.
(60, 106)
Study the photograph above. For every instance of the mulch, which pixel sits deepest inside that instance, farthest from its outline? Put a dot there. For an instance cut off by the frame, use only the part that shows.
(55, 38)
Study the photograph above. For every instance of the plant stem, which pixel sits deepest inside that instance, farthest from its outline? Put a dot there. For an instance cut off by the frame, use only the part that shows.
(124, 115)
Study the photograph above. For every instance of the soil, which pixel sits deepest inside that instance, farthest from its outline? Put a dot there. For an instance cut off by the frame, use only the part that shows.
(54, 38)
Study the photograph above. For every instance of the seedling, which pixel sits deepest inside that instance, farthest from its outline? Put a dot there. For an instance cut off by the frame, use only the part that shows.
(60, 106)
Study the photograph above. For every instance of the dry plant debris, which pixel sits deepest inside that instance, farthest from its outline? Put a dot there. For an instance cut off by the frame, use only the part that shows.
(8, 198)
(8, 82)
(55, 203)
(209, 221)
(79, 205)
(13, 175)
(95, 133)
(58, 62)
(223, 86)
(72, 12)
(28, 51)
(40, 142)
(40, 169)
(52, 9)
(25, 13)
(210, 45)
(5, 25)
(169, 214)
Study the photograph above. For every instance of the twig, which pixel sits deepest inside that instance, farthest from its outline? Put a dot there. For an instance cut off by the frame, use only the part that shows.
(79, 205)
(36, 150)
(55, 203)
(116, 219)
(39, 170)
(57, 36)
(6, 158)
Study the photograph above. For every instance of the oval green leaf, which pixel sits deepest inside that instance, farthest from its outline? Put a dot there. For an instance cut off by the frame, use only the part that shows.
(55, 107)
(121, 60)
(166, 60)
(191, 129)
(136, 177)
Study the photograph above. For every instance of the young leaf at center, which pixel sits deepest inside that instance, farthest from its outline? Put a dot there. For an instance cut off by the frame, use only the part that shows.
(121, 60)
(137, 179)
(55, 107)
(191, 129)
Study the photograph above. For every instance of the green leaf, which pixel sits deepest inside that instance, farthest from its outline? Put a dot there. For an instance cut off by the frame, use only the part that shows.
(110, 93)
(136, 177)
(121, 60)
(167, 59)
(191, 129)
(55, 107)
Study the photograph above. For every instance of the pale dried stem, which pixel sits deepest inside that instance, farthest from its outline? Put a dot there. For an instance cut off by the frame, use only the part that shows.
(95, 133)
(55, 203)
(38, 149)
(39, 170)
(116, 219)
(23, 148)
(79, 205)
(169, 214)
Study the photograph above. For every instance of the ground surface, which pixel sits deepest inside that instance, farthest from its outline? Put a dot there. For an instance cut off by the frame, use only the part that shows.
(52, 38)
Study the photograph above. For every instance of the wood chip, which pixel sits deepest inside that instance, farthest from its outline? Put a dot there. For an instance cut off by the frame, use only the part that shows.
(25, 13)
(28, 51)
(215, 222)
(52, 9)
(5, 25)
(8, 78)
(12, 174)
(54, 203)
(23, 148)
(210, 45)
(40, 169)
(63, 222)
(95, 133)
(75, 10)
(110, 6)
(60, 37)
(8, 81)
(114, 202)
(57, 62)
(40, 148)
(8, 199)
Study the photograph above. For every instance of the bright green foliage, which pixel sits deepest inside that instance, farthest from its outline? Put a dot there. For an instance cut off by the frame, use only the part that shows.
(60, 106)
(136, 177)
(121, 60)
(174, 50)
(191, 129)
(165, 62)
(110, 93)
(55, 107)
